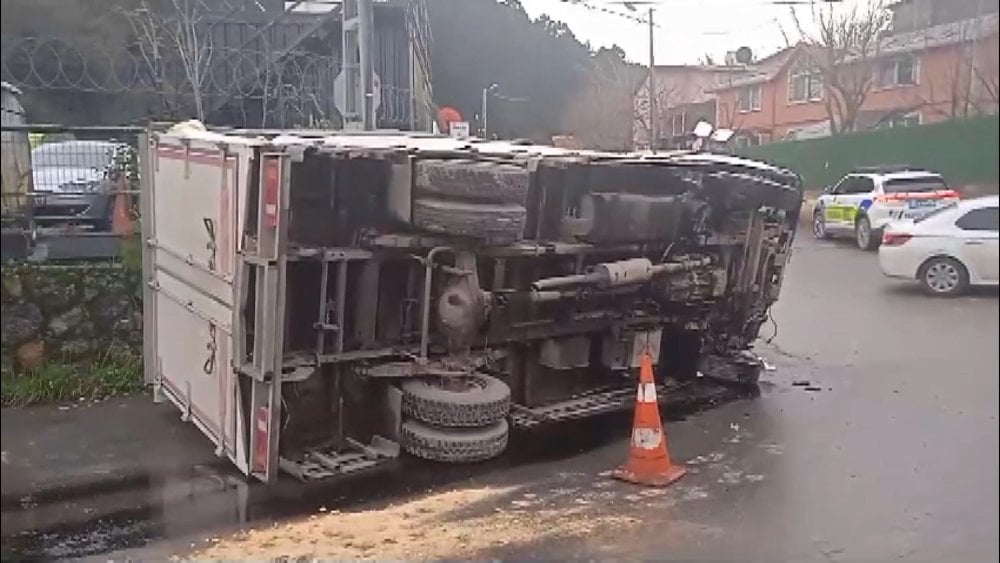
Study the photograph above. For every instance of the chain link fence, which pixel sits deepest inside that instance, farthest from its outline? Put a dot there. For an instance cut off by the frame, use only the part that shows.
(68, 192)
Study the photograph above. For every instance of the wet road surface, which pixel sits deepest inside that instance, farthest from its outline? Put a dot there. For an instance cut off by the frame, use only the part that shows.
(874, 439)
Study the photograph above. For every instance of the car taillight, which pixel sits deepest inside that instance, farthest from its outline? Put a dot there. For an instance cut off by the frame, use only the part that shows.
(895, 239)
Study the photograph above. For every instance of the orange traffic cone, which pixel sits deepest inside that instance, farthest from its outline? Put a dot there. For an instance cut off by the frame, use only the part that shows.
(648, 461)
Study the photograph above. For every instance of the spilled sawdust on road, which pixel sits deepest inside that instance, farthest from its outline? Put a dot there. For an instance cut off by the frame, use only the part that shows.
(454, 524)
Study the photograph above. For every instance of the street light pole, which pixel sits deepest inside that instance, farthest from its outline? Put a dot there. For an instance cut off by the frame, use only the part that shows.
(486, 93)
(652, 89)
(366, 24)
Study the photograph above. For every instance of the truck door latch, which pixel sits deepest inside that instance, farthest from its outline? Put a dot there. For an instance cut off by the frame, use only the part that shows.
(210, 245)
(209, 366)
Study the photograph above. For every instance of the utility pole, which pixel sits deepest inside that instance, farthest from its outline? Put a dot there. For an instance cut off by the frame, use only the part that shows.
(366, 21)
(632, 6)
(357, 65)
(652, 88)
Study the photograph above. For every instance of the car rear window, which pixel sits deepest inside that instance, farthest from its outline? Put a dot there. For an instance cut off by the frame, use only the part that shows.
(73, 155)
(923, 184)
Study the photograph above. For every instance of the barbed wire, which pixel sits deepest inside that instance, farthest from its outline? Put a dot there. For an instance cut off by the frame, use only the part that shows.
(51, 63)
(298, 84)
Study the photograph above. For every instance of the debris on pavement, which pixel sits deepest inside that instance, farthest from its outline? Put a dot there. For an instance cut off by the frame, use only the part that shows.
(436, 526)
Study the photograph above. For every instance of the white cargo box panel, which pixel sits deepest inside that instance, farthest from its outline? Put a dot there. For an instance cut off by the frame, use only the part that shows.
(199, 192)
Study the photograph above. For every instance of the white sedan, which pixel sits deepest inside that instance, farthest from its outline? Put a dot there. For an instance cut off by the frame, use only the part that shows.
(947, 250)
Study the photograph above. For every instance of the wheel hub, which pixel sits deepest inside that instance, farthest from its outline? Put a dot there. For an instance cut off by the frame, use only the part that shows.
(458, 384)
(942, 277)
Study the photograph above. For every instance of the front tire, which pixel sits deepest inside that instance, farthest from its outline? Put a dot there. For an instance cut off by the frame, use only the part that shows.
(863, 234)
(819, 225)
(943, 276)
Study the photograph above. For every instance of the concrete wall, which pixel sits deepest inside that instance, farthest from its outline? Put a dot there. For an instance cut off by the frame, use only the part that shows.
(74, 313)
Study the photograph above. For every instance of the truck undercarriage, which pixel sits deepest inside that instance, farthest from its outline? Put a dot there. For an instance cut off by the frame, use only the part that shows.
(398, 290)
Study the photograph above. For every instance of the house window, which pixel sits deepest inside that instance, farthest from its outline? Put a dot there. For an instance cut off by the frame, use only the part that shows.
(805, 83)
(748, 139)
(677, 124)
(897, 71)
(748, 99)
(901, 120)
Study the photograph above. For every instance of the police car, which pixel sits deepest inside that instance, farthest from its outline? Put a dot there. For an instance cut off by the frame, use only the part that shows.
(863, 202)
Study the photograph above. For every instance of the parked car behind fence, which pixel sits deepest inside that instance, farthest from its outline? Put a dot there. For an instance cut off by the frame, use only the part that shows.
(68, 183)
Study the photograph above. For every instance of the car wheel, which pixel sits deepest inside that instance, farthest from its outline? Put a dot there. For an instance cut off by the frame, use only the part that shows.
(944, 276)
(863, 234)
(819, 225)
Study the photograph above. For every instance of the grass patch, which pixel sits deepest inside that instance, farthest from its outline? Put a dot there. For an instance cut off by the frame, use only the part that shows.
(113, 374)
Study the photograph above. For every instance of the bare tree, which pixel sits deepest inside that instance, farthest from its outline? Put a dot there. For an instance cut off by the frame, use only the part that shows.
(666, 97)
(600, 113)
(169, 34)
(969, 85)
(984, 74)
(844, 50)
(728, 117)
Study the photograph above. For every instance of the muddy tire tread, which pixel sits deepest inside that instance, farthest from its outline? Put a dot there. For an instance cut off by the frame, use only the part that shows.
(454, 445)
(496, 223)
(439, 407)
(489, 182)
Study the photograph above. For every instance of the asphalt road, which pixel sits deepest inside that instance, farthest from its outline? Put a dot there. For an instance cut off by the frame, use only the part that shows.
(895, 458)
(874, 439)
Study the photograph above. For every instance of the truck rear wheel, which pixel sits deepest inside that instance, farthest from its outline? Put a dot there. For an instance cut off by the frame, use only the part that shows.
(488, 182)
(465, 401)
(455, 445)
(497, 223)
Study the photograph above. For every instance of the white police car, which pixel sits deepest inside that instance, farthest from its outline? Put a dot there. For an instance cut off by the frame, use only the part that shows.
(863, 202)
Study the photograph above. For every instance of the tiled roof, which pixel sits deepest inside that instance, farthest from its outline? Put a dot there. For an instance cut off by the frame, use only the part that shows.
(765, 70)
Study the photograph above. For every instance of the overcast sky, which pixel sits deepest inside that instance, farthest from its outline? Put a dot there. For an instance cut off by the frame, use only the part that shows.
(688, 29)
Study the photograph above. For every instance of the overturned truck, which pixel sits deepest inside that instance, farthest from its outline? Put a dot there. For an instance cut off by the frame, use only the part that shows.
(316, 302)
